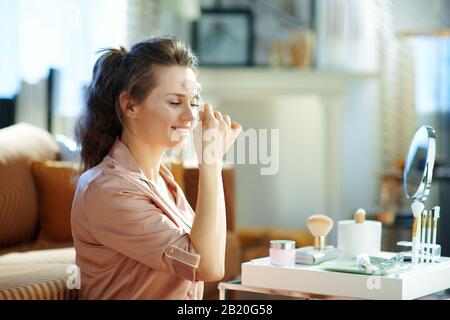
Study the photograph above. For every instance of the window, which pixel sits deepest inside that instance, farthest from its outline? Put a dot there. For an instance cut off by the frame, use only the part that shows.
(65, 35)
(432, 74)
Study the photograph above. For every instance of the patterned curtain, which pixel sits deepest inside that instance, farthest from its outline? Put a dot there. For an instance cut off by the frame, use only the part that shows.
(413, 71)
(32, 103)
(147, 18)
(347, 34)
(142, 20)
(397, 92)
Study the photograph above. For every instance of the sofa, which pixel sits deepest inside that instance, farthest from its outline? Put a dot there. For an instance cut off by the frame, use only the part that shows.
(37, 257)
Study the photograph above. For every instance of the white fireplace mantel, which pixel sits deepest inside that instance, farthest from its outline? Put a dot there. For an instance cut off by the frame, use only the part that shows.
(270, 81)
(247, 87)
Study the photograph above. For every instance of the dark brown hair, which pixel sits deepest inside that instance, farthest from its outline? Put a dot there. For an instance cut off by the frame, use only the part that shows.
(115, 71)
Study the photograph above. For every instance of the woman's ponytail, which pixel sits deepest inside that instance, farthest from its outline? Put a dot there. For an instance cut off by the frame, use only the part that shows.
(102, 120)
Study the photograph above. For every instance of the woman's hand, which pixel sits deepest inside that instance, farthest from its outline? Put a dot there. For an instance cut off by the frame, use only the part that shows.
(214, 135)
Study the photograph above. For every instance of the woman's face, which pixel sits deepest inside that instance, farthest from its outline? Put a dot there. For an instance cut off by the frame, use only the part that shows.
(166, 117)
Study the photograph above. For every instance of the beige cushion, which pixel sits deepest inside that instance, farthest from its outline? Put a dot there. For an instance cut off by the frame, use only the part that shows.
(65, 255)
(37, 275)
(19, 145)
(35, 282)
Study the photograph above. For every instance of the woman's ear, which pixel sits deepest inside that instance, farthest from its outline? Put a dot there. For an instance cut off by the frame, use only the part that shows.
(127, 105)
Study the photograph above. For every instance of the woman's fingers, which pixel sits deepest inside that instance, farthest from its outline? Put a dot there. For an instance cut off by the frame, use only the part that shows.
(227, 121)
(224, 136)
(218, 115)
(208, 111)
(209, 114)
(236, 128)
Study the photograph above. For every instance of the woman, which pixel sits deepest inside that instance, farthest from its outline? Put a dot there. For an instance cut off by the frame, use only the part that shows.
(135, 235)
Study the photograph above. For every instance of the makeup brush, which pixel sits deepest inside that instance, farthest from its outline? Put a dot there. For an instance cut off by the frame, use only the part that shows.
(429, 257)
(436, 211)
(319, 225)
(422, 235)
(417, 208)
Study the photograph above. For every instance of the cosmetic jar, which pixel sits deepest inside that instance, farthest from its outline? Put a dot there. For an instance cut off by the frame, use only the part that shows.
(282, 252)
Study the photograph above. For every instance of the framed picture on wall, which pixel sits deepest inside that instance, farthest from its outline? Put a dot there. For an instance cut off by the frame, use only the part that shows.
(224, 37)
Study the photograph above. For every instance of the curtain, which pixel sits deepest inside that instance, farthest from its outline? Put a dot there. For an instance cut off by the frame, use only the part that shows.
(432, 65)
(414, 74)
(32, 103)
(397, 108)
(142, 20)
(347, 34)
(397, 91)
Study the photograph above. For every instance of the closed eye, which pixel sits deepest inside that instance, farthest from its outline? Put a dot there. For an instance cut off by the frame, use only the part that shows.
(179, 103)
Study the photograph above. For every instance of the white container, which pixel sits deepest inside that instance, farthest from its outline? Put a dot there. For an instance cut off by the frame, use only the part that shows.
(282, 252)
(357, 238)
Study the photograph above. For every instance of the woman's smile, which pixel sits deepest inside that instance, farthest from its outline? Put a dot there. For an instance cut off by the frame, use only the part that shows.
(180, 132)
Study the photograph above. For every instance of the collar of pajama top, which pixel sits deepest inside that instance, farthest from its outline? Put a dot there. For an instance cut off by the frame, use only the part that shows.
(120, 156)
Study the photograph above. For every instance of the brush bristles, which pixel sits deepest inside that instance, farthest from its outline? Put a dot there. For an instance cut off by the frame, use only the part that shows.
(319, 225)
(424, 219)
(414, 229)
(435, 225)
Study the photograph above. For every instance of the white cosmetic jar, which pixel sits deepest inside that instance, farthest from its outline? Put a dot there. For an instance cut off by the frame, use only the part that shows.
(282, 252)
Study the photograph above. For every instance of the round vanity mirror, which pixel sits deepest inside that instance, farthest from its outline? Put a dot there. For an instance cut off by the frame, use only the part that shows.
(418, 171)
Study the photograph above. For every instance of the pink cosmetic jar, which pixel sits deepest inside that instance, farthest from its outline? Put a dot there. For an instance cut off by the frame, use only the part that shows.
(282, 252)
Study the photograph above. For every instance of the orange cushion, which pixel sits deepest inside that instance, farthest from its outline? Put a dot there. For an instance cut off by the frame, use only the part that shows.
(20, 144)
(56, 188)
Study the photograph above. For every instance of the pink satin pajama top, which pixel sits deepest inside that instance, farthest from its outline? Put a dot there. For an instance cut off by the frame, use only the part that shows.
(131, 240)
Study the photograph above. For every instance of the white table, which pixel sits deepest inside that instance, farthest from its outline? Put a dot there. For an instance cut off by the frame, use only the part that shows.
(313, 282)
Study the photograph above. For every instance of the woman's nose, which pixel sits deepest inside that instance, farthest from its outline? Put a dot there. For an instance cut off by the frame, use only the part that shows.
(188, 114)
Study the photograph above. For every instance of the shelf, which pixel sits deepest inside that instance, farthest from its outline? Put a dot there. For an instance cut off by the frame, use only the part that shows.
(268, 81)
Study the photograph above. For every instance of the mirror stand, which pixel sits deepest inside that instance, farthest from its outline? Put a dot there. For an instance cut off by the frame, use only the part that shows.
(417, 177)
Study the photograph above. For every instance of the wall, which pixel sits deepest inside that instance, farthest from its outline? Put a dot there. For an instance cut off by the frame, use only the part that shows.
(361, 148)
(421, 16)
(298, 188)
